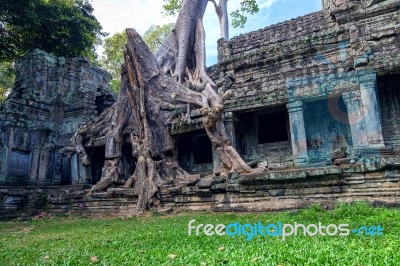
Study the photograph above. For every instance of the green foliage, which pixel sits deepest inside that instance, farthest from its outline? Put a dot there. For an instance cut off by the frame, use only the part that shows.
(113, 57)
(239, 18)
(155, 35)
(7, 78)
(172, 7)
(62, 27)
(152, 240)
(115, 85)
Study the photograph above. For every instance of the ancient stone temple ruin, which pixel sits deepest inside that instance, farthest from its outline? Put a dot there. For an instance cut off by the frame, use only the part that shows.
(52, 96)
(316, 103)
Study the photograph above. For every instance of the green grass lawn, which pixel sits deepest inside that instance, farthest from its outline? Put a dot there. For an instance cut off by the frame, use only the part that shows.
(164, 240)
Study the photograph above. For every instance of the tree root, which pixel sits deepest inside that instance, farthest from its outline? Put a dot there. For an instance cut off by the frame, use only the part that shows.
(152, 88)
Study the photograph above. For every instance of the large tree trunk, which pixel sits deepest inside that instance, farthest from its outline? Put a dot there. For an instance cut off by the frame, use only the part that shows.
(222, 12)
(153, 88)
(189, 36)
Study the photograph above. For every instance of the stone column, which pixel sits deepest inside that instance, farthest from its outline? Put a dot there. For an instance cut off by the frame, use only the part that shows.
(35, 163)
(230, 127)
(58, 165)
(216, 160)
(75, 169)
(229, 124)
(79, 173)
(298, 132)
(353, 102)
(45, 163)
(85, 173)
(373, 124)
(8, 150)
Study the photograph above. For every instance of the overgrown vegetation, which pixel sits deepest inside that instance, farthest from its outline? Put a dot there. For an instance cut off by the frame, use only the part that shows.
(158, 240)
(62, 27)
(113, 58)
(7, 78)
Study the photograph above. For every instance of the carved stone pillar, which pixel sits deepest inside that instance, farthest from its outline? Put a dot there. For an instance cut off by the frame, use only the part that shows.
(230, 127)
(373, 124)
(75, 169)
(45, 166)
(85, 173)
(216, 160)
(79, 173)
(229, 124)
(353, 102)
(35, 164)
(298, 132)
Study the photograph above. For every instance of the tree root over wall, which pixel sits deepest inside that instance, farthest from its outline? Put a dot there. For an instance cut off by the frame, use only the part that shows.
(152, 88)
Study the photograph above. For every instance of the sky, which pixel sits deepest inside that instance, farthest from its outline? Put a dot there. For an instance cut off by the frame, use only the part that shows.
(116, 15)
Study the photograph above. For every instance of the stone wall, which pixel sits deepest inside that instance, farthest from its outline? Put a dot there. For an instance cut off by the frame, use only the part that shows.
(324, 69)
(289, 189)
(52, 96)
(371, 181)
(28, 201)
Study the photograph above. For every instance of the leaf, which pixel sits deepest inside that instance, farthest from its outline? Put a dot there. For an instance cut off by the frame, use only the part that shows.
(93, 259)
(172, 256)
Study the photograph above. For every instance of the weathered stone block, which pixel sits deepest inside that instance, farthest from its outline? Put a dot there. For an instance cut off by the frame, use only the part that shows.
(276, 192)
(204, 183)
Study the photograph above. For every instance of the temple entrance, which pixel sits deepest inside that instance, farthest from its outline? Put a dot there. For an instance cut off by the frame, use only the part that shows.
(128, 161)
(97, 158)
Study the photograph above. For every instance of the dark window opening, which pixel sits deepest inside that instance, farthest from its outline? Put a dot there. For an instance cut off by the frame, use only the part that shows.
(97, 158)
(202, 150)
(194, 151)
(389, 104)
(272, 127)
(66, 171)
(128, 161)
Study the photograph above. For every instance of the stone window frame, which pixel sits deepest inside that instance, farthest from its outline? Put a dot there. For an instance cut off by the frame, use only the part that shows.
(194, 145)
(271, 110)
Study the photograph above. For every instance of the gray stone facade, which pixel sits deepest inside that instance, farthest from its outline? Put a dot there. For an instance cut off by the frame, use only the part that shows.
(51, 97)
(325, 72)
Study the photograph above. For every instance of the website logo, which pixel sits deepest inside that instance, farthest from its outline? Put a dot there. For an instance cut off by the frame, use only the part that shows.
(279, 229)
